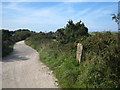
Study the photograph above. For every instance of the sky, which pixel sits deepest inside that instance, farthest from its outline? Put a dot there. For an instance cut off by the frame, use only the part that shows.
(50, 16)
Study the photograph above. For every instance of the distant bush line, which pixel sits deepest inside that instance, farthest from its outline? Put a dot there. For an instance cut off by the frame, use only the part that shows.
(10, 37)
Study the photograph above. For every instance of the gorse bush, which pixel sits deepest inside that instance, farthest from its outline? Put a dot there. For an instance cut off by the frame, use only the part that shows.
(106, 47)
(71, 32)
(96, 74)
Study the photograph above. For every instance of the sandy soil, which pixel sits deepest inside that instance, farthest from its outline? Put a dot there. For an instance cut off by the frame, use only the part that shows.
(22, 69)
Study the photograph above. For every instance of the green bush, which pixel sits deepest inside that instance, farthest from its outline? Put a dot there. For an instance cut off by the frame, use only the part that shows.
(71, 32)
(10, 37)
(106, 47)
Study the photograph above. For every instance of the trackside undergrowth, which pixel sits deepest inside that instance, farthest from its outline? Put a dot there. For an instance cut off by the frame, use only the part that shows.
(98, 69)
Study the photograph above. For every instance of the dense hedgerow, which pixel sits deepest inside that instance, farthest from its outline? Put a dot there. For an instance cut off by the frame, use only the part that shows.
(7, 43)
(106, 47)
(10, 37)
(99, 69)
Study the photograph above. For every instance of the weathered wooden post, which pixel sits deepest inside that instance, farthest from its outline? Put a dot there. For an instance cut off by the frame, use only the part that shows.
(79, 52)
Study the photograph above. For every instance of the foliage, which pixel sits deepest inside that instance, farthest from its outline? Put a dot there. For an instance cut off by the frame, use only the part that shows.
(7, 43)
(106, 46)
(99, 70)
(71, 32)
(10, 37)
(116, 18)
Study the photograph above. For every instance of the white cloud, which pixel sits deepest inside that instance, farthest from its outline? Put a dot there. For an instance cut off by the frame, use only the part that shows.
(97, 19)
(42, 15)
(53, 17)
(29, 16)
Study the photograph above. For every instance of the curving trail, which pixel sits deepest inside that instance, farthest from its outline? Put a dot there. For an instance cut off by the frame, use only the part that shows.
(22, 69)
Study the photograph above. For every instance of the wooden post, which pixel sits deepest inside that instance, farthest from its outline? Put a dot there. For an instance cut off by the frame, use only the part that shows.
(79, 52)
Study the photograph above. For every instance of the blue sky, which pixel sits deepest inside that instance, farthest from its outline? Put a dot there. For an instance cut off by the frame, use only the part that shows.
(49, 16)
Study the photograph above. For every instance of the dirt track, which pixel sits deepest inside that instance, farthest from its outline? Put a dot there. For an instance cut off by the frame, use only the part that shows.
(22, 69)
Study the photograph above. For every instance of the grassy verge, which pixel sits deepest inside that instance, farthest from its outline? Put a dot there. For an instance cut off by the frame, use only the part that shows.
(94, 72)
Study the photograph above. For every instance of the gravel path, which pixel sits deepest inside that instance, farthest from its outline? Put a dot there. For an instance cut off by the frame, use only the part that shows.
(22, 69)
